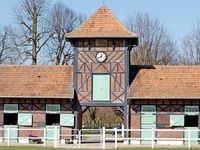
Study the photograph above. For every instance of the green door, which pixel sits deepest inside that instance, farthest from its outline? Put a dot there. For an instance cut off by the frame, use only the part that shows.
(50, 130)
(13, 130)
(148, 121)
(193, 135)
(101, 87)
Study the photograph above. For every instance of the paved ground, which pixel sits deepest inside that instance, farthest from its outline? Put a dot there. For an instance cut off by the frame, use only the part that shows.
(93, 142)
(109, 145)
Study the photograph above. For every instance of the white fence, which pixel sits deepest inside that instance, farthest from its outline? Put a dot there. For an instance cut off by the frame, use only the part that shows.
(98, 138)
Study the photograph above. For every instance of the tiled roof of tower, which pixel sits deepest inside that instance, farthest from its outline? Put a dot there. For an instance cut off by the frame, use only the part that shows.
(101, 24)
(163, 82)
(36, 81)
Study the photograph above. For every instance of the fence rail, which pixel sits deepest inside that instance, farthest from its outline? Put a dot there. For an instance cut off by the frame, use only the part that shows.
(103, 138)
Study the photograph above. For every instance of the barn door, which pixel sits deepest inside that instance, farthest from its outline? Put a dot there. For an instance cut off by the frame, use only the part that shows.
(148, 121)
(101, 87)
(50, 132)
(13, 133)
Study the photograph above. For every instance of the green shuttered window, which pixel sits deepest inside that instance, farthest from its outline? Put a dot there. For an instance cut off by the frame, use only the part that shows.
(10, 108)
(52, 108)
(101, 87)
(24, 119)
(67, 120)
(191, 110)
(176, 120)
(148, 109)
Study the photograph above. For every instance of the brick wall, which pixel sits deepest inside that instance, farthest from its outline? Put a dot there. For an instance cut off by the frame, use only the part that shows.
(164, 110)
(37, 108)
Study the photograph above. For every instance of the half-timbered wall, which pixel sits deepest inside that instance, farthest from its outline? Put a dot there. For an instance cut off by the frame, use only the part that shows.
(164, 109)
(37, 107)
(86, 64)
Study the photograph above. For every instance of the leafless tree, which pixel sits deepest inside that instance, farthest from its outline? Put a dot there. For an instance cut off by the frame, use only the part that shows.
(33, 34)
(98, 117)
(8, 52)
(62, 20)
(155, 44)
(191, 47)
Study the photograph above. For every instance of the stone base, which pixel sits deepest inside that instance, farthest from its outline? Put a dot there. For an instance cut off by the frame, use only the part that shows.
(135, 142)
(126, 142)
(170, 142)
(24, 141)
(75, 141)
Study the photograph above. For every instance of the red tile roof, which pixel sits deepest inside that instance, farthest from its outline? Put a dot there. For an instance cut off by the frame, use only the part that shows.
(153, 82)
(36, 81)
(102, 24)
(164, 82)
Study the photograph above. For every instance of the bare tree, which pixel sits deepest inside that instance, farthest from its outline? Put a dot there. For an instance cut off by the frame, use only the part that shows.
(191, 47)
(62, 20)
(98, 117)
(33, 33)
(8, 53)
(155, 44)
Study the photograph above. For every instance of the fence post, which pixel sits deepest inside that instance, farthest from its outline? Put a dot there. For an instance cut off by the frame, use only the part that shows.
(152, 138)
(44, 137)
(115, 129)
(100, 138)
(189, 139)
(122, 130)
(8, 138)
(103, 138)
(55, 136)
(79, 138)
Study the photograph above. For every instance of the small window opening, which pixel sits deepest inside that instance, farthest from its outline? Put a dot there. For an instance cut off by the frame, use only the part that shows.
(10, 119)
(52, 119)
(191, 120)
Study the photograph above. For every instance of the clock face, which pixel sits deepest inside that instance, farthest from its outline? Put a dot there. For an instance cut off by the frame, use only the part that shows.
(101, 57)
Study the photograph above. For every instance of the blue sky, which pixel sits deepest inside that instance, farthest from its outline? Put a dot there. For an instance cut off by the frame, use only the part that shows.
(178, 15)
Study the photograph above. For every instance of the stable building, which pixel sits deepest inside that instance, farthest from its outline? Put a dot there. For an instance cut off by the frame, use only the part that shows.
(164, 97)
(160, 97)
(36, 97)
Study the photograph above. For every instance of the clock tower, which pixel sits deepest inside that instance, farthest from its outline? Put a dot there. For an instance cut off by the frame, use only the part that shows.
(101, 61)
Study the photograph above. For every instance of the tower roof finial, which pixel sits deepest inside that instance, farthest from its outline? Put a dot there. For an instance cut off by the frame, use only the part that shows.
(104, 2)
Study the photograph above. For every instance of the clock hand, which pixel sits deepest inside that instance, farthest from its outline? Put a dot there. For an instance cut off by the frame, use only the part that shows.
(100, 55)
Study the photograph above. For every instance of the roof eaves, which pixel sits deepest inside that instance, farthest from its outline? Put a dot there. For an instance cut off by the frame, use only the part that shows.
(182, 98)
(80, 37)
(33, 97)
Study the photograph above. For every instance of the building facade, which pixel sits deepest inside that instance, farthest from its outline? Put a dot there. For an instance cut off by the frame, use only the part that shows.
(160, 97)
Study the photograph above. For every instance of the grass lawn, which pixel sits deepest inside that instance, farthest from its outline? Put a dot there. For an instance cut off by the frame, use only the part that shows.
(42, 148)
